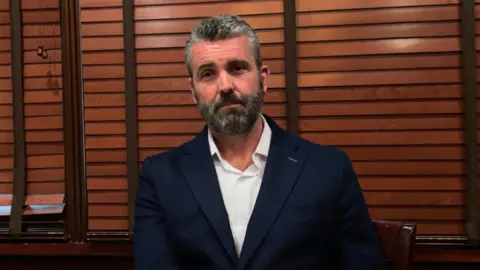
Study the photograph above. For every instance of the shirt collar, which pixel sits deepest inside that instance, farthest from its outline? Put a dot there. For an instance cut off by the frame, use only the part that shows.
(262, 147)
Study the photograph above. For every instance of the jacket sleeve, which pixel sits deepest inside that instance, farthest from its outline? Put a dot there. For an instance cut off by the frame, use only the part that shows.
(151, 247)
(357, 240)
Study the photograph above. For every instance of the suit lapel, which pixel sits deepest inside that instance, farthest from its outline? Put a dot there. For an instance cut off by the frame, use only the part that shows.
(281, 172)
(199, 170)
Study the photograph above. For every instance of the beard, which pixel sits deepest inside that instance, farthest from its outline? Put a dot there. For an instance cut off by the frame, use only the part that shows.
(236, 120)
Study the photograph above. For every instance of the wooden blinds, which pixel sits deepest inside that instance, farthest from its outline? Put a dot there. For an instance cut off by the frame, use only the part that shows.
(6, 117)
(382, 81)
(31, 123)
(167, 115)
(43, 97)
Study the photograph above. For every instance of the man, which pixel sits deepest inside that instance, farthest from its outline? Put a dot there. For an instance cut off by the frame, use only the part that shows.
(245, 194)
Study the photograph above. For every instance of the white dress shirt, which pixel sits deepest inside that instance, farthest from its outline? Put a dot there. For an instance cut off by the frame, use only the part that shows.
(240, 189)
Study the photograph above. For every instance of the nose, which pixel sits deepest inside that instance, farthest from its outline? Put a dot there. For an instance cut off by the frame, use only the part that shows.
(225, 82)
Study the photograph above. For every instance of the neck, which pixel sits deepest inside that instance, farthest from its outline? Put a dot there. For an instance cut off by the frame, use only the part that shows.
(238, 149)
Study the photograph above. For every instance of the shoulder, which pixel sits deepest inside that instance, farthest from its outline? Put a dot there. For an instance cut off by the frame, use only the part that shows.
(164, 158)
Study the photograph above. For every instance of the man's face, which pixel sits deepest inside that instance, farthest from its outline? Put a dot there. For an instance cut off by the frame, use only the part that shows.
(227, 85)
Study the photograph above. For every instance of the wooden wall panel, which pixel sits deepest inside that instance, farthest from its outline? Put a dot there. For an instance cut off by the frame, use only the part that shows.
(104, 102)
(381, 80)
(43, 97)
(6, 117)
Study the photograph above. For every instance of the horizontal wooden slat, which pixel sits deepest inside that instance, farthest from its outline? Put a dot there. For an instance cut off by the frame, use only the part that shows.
(405, 152)
(45, 175)
(413, 168)
(326, 5)
(106, 170)
(379, 31)
(47, 16)
(186, 11)
(46, 161)
(109, 128)
(387, 138)
(44, 199)
(45, 149)
(45, 70)
(382, 93)
(6, 176)
(108, 225)
(163, 2)
(108, 210)
(99, 156)
(54, 56)
(381, 124)
(186, 25)
(112, 14)
(44, 136)
(372, 47)
(43, 83)
(41, 30)
(44, 4)
(97, 58)
(100, 3)
(417, 198)
(411, 184)
(43, 123)
(45, 187)
(381, 108)
(104, 72)
(376, 16)
(5, 199)
(98, 183)
(102, 43)
(44, 96)
(104, 86)
(107, 142)
(6, 163)
(43, 110)
(103, 29)
(380, 77)
(378, 63)
(444, 228)
(108, 197)
(417, 213)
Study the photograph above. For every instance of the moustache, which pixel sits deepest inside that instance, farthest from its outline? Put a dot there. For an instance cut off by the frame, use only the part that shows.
(229, 100)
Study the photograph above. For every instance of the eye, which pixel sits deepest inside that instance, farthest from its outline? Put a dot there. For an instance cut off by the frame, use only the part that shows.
(238, 69)
(206, 74)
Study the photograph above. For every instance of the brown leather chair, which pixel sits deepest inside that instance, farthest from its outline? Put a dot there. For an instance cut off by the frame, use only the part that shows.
(397, 242)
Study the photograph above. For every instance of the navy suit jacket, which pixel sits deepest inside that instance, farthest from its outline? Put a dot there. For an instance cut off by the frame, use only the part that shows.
(310, 212)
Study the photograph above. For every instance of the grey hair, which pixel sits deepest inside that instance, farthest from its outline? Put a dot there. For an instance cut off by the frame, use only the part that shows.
(221, 27)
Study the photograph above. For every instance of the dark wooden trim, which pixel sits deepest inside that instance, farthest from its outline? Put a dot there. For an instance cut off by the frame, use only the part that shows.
(423, 253)
(290, 36)
(18, 119)
(101, 236)
(467, 23)
(447, 253)
(131, 105)
(76, 216)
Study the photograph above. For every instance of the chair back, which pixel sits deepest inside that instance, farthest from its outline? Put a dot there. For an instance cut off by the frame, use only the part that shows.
(397, 241)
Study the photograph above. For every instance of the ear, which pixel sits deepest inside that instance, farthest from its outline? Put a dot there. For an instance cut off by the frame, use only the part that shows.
(192, 89)
(264, 72)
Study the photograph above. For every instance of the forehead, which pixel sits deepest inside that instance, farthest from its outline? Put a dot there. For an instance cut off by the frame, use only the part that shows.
(221, 51)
